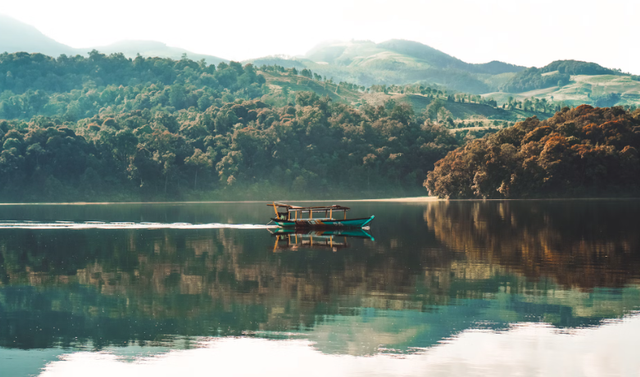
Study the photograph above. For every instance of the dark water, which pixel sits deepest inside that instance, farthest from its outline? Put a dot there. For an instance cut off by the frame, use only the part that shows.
(534, 288)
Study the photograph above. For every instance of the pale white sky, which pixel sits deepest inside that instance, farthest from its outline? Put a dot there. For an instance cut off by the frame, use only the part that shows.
(524, 32)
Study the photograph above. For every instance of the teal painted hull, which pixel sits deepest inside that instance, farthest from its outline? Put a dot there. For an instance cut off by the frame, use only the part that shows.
(324, 223)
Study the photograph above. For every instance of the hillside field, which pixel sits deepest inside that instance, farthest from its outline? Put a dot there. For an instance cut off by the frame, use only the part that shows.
(581, 89)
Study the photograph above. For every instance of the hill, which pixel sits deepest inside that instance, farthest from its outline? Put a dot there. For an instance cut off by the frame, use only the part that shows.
(109, 127)
(438, 59)
(397, 53)
(581, 152)
(393, 62)
(276, 60)
(460, 107)
(597, 90)
(17, 36)
(555, 74)
(402, 62)
(131, 49)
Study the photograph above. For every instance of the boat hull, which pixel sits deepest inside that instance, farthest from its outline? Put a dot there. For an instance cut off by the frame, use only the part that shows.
(323, 223)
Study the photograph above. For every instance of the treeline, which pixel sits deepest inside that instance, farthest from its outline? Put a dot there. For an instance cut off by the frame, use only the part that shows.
(77, 87)
(579, 152)
(40, 72)
(539, 105)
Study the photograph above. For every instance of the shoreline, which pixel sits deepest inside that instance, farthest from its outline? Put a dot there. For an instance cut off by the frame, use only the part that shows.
(406, 199)
(417, 199)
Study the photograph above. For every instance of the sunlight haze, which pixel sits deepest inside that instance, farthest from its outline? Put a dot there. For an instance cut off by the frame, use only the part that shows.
(530, 33)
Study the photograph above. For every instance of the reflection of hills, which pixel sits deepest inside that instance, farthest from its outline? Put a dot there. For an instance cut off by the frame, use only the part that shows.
(579, 244)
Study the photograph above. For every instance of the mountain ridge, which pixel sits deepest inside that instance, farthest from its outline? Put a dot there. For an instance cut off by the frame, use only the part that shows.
(31, 39)
(131, 48)
(17, 36)
(392, 62)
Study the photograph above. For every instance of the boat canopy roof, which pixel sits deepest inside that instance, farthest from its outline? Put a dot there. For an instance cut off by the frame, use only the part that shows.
(290, 207)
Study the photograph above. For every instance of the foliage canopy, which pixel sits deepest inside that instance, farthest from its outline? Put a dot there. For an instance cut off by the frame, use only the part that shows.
(578, 152)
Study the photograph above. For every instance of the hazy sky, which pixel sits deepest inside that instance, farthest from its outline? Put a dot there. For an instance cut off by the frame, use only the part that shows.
(530, 33)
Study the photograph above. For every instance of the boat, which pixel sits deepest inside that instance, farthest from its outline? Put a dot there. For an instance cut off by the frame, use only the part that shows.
(290, 216)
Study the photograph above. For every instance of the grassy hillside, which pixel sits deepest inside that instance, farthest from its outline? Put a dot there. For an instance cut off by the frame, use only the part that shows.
(582, 89)
(404, 62)
(473, 110)
(284, 83)
(460, 112)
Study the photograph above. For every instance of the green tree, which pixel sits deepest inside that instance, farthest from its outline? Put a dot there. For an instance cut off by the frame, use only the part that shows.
(198, 161)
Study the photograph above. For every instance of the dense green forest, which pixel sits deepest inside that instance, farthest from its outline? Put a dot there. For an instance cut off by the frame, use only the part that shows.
(112, 128)
(581, 152)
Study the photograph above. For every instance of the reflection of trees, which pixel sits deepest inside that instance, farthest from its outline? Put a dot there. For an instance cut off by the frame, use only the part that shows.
(582, 244)
(186, 282)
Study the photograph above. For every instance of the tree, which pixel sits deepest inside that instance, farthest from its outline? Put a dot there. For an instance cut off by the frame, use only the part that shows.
(198, 160)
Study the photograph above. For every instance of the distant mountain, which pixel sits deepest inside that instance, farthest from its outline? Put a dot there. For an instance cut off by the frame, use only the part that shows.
(153, 48)
(438, 59)
(276, 60)
(398, 53)
(405, 62)
(17, 36)
(392, 62)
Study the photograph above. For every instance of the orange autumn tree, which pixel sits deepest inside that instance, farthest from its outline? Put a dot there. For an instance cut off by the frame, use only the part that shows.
(578, 152)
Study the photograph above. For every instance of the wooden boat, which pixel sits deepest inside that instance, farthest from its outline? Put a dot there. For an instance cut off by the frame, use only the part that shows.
(289, 216)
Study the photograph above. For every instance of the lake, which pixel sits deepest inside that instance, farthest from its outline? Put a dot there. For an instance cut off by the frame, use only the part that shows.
(473, 288)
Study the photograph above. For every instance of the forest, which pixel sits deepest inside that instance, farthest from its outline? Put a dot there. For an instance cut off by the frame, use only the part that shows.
(104, 127)
(580, 152)
(112, 128)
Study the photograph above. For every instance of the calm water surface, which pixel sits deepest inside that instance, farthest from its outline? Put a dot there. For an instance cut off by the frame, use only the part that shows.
(532, 288)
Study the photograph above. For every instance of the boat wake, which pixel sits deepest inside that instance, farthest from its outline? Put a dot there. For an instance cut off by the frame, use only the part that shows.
(123, 225)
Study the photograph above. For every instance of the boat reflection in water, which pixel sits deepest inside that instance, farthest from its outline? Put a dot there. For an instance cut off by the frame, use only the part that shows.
(334, 239)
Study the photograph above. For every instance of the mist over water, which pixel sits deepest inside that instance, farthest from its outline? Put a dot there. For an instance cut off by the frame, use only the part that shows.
(448, 288)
